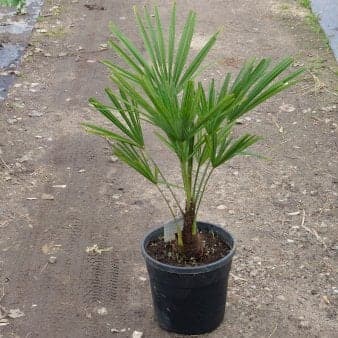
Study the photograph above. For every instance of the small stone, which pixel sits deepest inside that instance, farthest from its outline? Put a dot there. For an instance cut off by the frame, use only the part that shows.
(304, 324)
(103, 46)
(47, 197)
(62, 54)
(221, 207)
(287, 108)
(4, 322)
(231, 212)
(15, 313)
(253, 273)
(326, 299)
(142, 279)
(24, 158)
(102, 311)
(12, 121)
(294, 213)
(290, 241)
(137, 334)
(61, 186)
(52, 259)
(35, 113)
(113, 159)
(82, 171)
(113, 330)
(334, 290)
(47, 55)
(281, 297)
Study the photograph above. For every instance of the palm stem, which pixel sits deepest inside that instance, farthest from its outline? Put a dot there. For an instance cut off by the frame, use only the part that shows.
(201, 181)
(201, 193)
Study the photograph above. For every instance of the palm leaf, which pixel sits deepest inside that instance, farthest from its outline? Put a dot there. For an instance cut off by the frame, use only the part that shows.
(193, 122)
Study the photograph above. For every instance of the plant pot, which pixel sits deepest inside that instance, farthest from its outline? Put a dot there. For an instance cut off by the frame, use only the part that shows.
(189, 300)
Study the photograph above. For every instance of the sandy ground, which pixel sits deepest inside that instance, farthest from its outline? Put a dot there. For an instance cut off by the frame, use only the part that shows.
(60, 192)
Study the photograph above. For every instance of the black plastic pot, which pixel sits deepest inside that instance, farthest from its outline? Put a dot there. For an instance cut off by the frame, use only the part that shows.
(189, 300)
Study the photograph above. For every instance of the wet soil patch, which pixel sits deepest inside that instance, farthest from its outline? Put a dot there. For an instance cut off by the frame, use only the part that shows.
(10, 53)
(14, 28)
(214, 249)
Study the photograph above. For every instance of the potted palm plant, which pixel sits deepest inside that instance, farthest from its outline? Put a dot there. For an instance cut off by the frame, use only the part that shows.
(189, 271)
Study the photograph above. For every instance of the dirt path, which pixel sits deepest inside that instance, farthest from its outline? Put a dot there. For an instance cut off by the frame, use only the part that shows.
(283, 212)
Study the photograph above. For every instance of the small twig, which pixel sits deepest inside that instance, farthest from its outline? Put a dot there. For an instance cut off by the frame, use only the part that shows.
(312, 231)
(43, 268)
(303, 219)
(4, 163)
(2, 292)
(238, 278)
(318, 84)
(274, 330)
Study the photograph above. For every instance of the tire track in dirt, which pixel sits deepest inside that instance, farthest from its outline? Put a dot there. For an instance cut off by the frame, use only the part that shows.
(67, 293)
(99, 275)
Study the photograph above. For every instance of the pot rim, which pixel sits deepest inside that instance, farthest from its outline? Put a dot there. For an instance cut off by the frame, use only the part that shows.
(191, 269)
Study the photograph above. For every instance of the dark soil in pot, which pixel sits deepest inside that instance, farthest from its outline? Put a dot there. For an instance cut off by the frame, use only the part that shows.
(190, 299)
(214, 248)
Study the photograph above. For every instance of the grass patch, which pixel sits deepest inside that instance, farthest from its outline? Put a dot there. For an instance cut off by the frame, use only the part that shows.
(305, 3)
(18, 4)
(12, 3)
(313, 21)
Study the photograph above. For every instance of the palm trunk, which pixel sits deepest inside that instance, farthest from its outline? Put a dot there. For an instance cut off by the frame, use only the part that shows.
(191, 242)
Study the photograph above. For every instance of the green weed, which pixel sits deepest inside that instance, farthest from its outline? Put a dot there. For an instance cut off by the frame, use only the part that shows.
(305, 3)
(18, 4)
